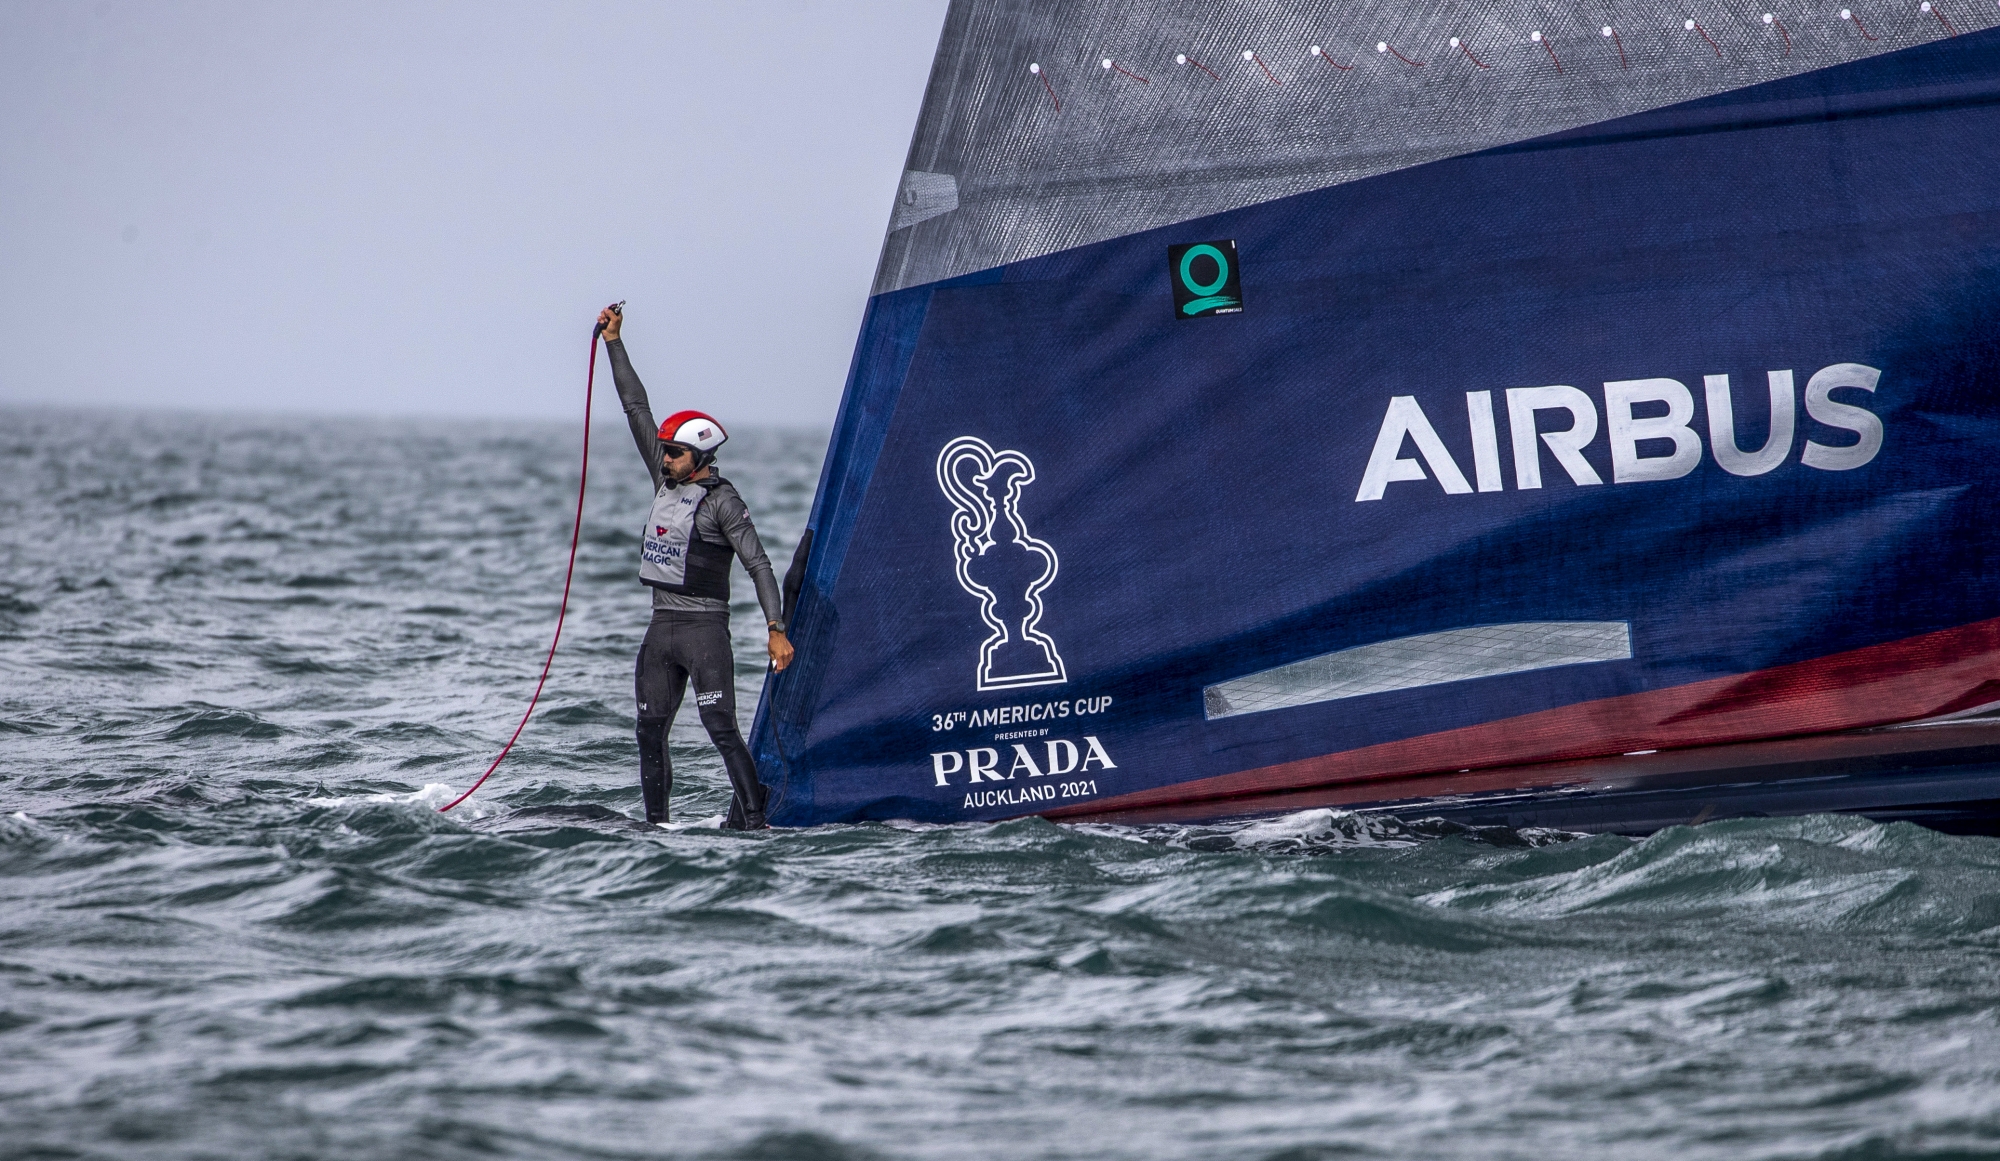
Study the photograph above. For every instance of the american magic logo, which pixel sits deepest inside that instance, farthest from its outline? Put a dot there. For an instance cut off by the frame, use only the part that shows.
(1205, 279)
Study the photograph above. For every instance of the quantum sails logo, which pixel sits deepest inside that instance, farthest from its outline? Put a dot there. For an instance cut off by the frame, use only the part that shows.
(1206, 278)
(998, 562)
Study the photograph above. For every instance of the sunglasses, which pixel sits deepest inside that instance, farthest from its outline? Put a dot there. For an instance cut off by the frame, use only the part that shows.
(674, 451)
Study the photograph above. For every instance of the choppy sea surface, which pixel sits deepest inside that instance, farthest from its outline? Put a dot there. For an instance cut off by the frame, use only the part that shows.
(241, 660)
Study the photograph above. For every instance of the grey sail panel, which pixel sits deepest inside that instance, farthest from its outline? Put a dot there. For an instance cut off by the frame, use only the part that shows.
(1122, 155)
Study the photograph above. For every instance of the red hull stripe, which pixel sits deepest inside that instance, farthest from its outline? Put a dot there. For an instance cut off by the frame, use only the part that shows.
(1892, 682)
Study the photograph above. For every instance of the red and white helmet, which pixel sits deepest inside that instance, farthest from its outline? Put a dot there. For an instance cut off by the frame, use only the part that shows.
(693, 429)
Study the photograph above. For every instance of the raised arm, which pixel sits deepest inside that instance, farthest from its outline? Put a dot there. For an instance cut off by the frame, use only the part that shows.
(632, 393)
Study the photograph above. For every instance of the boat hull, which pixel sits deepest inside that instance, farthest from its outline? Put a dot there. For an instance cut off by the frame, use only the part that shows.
(1669, 433)
(1944, 776)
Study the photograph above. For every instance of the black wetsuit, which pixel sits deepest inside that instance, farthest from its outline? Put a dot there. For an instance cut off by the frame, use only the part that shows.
(688, 638)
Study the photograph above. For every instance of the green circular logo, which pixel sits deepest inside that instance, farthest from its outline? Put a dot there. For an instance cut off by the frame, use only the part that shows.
(1187, 269)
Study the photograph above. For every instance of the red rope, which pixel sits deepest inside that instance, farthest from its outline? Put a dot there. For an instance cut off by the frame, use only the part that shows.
(576, 530)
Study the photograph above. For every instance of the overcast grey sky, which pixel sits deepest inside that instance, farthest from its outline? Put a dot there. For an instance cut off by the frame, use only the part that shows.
(419, 207)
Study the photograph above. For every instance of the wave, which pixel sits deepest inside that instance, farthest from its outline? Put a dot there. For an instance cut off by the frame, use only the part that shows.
(1327, 830)
(1823, 872)
(222, 723)
(233, 921)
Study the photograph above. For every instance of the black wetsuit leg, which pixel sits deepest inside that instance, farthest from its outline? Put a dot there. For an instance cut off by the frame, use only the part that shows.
(680, 646)
(658, 684)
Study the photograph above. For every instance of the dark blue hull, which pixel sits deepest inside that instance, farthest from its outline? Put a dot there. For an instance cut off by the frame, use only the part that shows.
(1946, 777)
(1673, 432)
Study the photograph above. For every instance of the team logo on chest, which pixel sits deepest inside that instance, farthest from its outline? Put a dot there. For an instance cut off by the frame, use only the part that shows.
(664, 551)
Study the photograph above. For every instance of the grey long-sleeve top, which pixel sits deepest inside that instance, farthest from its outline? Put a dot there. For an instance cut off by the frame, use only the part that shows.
(723, 518)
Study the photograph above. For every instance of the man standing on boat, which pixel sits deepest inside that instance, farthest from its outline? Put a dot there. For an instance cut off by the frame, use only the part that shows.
(697, 524)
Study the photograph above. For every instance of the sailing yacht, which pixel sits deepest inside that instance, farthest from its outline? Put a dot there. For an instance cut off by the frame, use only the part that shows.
(1557, 415)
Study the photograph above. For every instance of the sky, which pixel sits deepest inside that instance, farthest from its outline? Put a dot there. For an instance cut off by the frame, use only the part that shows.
(418, 208)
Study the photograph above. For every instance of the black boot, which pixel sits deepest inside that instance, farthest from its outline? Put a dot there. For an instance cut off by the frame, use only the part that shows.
(656, 773)
(741, 819)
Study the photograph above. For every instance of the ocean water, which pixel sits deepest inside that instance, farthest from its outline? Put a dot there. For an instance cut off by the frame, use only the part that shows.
(241, 660)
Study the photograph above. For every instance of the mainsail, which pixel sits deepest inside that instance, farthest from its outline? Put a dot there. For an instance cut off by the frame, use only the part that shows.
(1270, 400)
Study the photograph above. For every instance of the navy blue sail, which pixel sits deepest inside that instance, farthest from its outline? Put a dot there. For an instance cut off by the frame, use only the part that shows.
(1575, 430)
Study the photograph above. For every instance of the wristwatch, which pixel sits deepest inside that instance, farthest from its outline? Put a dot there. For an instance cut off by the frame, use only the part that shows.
(776, 626)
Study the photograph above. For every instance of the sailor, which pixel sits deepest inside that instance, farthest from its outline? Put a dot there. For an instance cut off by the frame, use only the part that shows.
(697, 525)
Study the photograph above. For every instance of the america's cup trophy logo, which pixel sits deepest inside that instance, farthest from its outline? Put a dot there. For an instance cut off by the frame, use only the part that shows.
(999, 563)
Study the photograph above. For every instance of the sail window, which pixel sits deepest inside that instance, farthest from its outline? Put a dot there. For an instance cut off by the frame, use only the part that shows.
(1423, 660)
